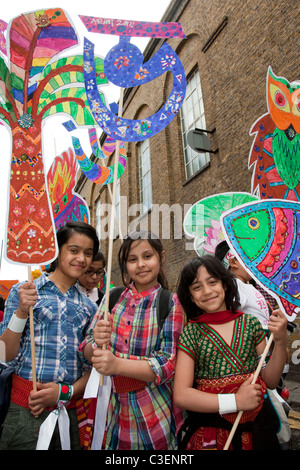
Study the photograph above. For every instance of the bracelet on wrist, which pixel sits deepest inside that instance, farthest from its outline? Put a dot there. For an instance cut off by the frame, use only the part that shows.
(227, 403)
(65, 393)
(17, 324)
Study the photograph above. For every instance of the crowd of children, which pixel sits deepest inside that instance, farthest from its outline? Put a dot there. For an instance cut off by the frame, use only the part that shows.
(177, 381)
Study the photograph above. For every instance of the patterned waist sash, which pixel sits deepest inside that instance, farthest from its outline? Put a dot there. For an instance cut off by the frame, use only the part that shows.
(231, 385)
(20, 392)
(127, 384)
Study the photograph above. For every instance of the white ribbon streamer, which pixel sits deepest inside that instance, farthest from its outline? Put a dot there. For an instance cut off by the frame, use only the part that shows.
(91, 388)
(102, 392)
(60, 414)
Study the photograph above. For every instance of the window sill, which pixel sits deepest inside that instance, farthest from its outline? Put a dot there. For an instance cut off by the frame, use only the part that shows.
(207, 165)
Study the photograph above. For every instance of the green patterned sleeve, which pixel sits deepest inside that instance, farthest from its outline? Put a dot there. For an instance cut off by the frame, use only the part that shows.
(258, 331)
(187, 341)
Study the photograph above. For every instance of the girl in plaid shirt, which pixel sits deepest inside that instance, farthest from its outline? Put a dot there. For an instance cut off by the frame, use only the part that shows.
(140, 356)
(61, 315)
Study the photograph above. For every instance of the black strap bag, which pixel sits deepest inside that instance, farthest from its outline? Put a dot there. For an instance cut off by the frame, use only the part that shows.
(5, 390)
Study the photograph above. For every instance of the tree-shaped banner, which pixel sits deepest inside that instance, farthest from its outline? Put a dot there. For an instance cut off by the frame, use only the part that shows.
(31, 90)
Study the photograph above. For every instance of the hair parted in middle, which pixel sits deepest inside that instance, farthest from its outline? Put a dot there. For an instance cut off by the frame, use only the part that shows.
(155, 243)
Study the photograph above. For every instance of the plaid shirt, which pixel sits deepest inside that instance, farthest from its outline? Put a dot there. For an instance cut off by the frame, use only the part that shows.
(60, 324)
(144, 419)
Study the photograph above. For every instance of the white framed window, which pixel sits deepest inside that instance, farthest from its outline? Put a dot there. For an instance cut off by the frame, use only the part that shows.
(145, 178)
(193, 116)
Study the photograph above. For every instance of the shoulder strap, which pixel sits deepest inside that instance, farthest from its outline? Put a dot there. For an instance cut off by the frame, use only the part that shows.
(164, 302)
(114, 295)
(164, 306)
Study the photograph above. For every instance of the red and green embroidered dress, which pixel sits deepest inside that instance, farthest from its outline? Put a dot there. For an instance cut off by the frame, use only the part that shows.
(221, 368)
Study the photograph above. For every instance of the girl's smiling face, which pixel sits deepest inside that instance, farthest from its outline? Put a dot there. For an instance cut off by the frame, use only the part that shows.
(207, 292)
(75, 256)
(143, 264)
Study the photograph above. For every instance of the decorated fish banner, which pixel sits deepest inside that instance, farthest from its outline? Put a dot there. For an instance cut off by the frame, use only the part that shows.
(202, 221)
(275, 153)
(67, 205)
(124, 67)
(33, 89)
(265, 238)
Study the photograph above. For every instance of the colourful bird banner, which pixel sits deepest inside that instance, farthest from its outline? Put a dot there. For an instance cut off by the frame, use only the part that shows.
(265, 238)
(275, 152)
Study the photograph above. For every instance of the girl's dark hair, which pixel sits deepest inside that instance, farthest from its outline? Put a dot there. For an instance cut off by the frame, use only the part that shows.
(222, 250)
(125, 248)
(67, 230)
(216, 269)
(100, 257)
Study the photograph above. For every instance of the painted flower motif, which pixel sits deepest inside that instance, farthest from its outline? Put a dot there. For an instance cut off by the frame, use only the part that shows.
(87, 67)
(30, 150)
(102, 117)
(90, 84)
(142, 127)
(42, 213)
(101, 75)
(141, 74)
(42, 21)
(214, 236)
(173, 102)
(32, 128)
(31, 233)
(168, 61)
(15, 223)
(17, 211)
(30, 208)
(18, 143)
(87, 48)
(121, 62)
(96, 107)
(25, 121)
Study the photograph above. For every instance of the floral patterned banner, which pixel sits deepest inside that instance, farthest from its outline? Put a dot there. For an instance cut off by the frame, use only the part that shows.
(123, 66)
(132, 28)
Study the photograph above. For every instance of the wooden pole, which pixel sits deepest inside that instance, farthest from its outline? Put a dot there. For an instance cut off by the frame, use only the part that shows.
(257, 372)
(111, 225)
(111, 199)
(32, 345)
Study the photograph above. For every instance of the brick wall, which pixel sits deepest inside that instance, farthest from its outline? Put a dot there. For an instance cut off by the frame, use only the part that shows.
(233, 68)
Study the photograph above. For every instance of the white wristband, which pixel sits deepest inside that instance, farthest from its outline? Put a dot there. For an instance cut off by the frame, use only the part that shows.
(227, 403)
(17, 324)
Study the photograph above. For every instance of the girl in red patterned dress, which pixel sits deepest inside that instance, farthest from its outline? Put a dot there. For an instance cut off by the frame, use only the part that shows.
(217, 356)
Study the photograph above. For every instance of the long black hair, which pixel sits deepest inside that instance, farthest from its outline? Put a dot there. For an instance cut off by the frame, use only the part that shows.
(155, 243)
(67, 230)
(216, 269)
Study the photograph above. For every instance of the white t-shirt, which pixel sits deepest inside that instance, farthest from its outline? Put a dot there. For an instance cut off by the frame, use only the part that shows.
(253, 302)
(92, 294)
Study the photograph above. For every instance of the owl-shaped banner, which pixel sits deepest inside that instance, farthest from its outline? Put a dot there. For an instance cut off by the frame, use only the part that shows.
(275, 153)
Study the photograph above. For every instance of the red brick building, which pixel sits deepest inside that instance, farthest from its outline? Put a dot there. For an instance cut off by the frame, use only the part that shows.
(228, 48)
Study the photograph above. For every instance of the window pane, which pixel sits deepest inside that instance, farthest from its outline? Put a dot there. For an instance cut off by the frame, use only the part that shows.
(193, 116)
(145, 174)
